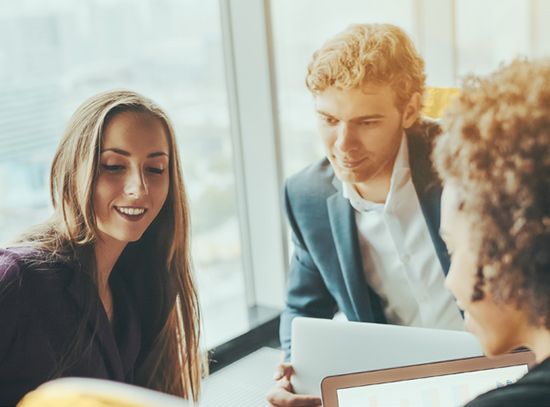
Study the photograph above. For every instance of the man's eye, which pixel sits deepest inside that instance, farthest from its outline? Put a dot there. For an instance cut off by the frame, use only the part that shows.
(329, 120)
(112, 168)
(369, 122)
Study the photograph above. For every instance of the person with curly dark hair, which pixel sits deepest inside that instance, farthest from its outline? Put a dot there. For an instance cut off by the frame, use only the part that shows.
(494, 159)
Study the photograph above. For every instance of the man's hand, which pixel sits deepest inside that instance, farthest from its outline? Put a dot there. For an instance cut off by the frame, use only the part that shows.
(282, 394)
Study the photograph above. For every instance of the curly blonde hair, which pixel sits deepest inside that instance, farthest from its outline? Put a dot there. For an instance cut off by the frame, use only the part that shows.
(496, 149)
(377, 53)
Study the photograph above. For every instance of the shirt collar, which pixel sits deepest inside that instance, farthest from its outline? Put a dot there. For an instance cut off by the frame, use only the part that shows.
(400, 175)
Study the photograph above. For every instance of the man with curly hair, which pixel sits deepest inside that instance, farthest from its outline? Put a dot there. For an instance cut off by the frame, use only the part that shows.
(365, 220)
(494, 158)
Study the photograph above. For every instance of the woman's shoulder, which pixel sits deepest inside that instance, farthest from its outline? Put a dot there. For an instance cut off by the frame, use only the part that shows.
(18, 264)
(514, 395)
(12, 264)
(531, 390)
(29, 283)
(14, 297)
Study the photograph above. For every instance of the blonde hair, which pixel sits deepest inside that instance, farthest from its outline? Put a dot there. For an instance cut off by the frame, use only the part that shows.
(496, 149)
(378, 53)
(161, 258)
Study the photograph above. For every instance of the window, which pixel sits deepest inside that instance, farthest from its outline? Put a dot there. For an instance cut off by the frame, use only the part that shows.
(505, 35)
(55, 54)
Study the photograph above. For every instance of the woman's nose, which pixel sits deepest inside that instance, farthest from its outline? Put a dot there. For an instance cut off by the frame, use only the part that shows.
(136, 185)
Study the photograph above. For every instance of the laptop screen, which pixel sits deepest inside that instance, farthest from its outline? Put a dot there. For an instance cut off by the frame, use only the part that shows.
(446, 390)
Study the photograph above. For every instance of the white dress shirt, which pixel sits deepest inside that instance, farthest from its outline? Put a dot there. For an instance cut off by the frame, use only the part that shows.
(399, 259)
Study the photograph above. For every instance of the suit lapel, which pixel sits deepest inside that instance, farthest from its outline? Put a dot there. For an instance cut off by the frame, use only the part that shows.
(428, 190)
(344, 233)
(98, 325)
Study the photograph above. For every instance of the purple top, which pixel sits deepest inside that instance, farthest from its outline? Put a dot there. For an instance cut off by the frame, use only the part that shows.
(39, 312)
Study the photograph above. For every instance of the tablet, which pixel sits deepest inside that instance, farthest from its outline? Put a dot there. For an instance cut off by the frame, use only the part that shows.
(448, 383)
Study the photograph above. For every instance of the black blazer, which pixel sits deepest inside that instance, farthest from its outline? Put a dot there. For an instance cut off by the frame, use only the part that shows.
(40, 308)
(533, 389)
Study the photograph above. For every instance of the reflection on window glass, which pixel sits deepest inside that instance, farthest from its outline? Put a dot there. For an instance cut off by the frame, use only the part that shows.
(295, 42)
(55, 54)
(505, 34)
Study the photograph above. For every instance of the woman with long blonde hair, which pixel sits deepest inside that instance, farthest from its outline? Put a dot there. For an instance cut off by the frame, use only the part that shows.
(104, 288)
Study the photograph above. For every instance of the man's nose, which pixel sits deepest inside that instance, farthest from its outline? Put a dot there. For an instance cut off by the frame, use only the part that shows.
(345, 141)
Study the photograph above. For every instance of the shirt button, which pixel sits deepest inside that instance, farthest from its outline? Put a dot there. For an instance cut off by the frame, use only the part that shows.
(406, 259)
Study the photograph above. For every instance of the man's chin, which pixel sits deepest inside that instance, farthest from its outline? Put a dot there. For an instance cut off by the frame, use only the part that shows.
(350, 176)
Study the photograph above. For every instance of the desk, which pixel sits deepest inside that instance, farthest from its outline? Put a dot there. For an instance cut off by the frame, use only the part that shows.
(244, 383)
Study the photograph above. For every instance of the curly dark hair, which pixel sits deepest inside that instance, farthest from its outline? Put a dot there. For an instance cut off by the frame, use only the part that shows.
(495, 149)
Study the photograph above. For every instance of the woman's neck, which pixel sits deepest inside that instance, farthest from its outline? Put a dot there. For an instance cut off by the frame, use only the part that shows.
(539, 343)
(107, 252)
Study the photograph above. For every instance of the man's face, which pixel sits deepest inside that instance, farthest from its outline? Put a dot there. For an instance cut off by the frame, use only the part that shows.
(361, 129)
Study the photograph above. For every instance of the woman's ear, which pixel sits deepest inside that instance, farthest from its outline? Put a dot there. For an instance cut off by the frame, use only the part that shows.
(412, 110)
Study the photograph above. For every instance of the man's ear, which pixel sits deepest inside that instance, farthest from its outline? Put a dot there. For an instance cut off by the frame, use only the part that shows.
(412, 110)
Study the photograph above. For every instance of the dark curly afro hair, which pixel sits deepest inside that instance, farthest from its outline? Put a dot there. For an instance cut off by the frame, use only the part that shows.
(495, 148)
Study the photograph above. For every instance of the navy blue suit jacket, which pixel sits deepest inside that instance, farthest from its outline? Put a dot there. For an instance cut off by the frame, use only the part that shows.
(40, 307)
(326, 270)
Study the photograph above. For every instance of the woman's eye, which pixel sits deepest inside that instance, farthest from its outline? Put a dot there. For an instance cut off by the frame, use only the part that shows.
(156, 170)
(112, 168)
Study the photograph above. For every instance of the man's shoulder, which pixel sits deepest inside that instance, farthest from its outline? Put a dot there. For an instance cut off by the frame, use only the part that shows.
(424, 132)
(420, 140)
(316, 180)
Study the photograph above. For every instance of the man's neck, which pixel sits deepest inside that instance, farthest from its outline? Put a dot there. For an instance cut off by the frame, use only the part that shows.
(375, 190)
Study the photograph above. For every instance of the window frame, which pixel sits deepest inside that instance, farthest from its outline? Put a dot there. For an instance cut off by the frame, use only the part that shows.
(250, 78)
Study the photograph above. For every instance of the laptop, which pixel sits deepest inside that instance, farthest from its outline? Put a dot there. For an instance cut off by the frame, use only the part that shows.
(322, 347)
(448, 383)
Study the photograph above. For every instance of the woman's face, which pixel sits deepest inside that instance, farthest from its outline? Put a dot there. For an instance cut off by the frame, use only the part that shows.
(134, 178)
(498, 326)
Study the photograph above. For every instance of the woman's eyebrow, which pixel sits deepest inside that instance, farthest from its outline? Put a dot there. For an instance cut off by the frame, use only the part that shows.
(128, 154)
(157, 154)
